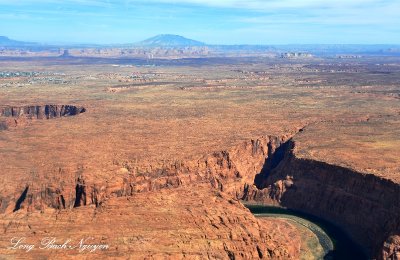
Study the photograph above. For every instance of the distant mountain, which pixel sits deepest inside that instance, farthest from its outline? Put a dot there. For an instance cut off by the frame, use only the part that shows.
(7, 42)
(169, 40)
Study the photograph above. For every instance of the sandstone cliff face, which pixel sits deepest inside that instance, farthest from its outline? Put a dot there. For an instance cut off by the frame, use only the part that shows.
(367, 207)
(391, 248)
(13, 116)
(41, 112)
(189, 201)
(231, 171)
(181, 223)
(228, 171)
(264, 170)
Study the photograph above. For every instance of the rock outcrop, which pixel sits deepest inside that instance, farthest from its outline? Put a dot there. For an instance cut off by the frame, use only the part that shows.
(168, 224)
(12, 116)
(41, 112)
(391, 248)
(264, 170)
(228, 171)
(365, 206)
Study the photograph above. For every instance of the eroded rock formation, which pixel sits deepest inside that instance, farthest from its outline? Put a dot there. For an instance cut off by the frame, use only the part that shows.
(228, 171)
(391, 248)
(12, 116)
(167, 224)
(365, 206)
(41, 112)
(263, 170)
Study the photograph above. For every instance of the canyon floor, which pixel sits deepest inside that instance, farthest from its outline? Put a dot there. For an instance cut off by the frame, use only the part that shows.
(154, 159)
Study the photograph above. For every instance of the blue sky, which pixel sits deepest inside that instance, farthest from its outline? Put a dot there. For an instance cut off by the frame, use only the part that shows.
(211, 21)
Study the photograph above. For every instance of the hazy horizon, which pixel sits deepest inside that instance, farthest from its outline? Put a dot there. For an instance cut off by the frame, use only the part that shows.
(225, 22)
(72, 43)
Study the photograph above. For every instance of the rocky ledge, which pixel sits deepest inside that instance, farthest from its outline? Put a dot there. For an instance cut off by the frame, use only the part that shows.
(41, 112)
(19, 115)
(365, 206)
(265, 170)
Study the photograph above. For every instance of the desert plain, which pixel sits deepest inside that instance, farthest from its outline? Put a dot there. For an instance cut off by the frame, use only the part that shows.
(156, 159)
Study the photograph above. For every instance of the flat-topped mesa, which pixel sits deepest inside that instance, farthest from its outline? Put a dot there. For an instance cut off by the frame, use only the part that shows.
(41, 112)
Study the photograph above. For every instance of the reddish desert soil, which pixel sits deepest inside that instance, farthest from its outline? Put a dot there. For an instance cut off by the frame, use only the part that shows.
(169, 137)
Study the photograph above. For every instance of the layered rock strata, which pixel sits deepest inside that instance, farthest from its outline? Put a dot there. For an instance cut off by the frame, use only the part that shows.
(41, 112)
(265, 170)
(365, 206)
